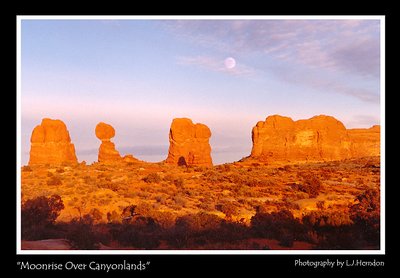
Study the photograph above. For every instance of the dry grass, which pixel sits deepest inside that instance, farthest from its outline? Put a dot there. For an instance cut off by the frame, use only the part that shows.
(230, 190)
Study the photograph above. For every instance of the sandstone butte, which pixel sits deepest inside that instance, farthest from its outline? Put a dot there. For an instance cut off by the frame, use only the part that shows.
(51, 144)
(189, 143)
(320, 138)
(107, 151)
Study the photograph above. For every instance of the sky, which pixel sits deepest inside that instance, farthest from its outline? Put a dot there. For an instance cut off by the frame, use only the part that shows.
(137, 75)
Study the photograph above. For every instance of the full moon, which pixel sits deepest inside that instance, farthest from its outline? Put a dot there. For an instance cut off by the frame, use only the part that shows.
(230, 63)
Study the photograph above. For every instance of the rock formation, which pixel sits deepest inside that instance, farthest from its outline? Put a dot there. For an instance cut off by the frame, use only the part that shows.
(51, 144)
(320, 138)
(107, 151)
(189, 143)
(366, 142)
(130, 159)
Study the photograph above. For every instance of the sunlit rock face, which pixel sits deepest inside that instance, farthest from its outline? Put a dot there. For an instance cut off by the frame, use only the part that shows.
(189, 143)
(107, 151)
(366, 142)
(51, 144)
(321, 138)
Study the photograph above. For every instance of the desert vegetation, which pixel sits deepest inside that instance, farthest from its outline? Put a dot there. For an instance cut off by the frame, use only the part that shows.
(138, 205)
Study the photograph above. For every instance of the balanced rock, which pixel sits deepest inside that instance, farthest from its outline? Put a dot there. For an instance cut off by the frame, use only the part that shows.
(107, 151)
(51, 144)
(104, 131)
(320, 138)
(189, 143)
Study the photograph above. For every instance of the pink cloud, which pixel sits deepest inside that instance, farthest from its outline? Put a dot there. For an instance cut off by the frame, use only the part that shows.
(326, 44)
(334, 53)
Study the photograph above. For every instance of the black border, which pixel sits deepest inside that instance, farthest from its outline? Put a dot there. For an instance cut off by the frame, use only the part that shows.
(213, 264)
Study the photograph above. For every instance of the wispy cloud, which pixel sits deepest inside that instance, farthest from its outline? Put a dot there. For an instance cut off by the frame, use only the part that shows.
(217, 65)
(334, 44)
(328, 83)
(350, 48)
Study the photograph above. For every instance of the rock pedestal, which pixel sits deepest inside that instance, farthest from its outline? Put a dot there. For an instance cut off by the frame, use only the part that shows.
(107, 151)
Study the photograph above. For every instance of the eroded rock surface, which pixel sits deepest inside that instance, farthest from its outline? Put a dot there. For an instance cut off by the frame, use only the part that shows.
(51, 144)
(189, 143)
(321, 138)
(107, 151)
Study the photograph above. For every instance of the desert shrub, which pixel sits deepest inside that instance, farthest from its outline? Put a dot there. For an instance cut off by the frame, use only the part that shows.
(213, 176)
(319, 220)
(169, 178)
(54, 180)
(104, 201)
(96, 214)
(165, 219)
(70, 184)
(38, 215)
(89, 180)
(300, 195)
(262, 209)
(129, 194)
(228, 208)
(245, 190)
(332, 230)
(144, 209)
(80, 232)
(113, 217)
(26, 168)
(235, 178)
(113, 186)
(267, 183)
(224, 168)
(152, 178)
(366, 214)
(198, 222)
(340, 238)
(161, 198)
(199, 169)
(141, 232)
(279, 225)
(128, 212)
(290, 204)
(180, 201)
(367, 207)
(320, 205)
(143, 194)
(179, 182)
(60, 170)
(229, 232)
(325, 174)
(252, 182)
(132, 213)
(207, 204)
(310, 185)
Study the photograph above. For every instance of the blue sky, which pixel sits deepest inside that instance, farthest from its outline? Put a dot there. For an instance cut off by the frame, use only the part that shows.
(138, 75)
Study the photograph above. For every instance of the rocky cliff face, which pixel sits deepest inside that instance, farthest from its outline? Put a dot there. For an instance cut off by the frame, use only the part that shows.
(320, 138)
(107, 151)
(51, 144)
(189, 143)
(366, 142)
